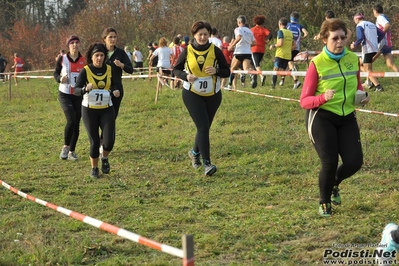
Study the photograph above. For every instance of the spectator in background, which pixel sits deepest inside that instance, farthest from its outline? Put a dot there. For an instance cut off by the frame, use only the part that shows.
(297, 30)
(3, 64)
(284, 45)
(262, 37)
(67, 69)
(241, 46)
(129, 54)
(138, 59)
(385, 46)
(228, 55)
(185, 42)
(180, 36)
(165, 58)
(214, 38)
(18, 67)
(151, 48)
(367, 37)
(176, 50)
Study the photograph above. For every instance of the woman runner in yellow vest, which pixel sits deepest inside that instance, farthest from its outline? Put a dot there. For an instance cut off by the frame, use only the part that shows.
(201, 66)
(97, 85)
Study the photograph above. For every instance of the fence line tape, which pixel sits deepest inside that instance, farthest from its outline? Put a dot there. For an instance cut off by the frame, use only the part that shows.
(101, 225)
(295, 100)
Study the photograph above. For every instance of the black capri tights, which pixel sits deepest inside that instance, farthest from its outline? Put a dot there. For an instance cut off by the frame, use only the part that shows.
(202, 110)
(95, 119)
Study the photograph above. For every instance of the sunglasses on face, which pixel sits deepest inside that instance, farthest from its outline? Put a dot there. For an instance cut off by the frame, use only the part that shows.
(337, 38)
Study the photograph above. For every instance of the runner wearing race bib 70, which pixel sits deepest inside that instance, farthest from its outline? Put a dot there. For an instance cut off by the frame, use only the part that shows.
(200, 66)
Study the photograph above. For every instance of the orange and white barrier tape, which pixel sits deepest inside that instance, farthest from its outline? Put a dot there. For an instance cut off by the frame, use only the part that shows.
(303, 73)
(296, 100)
(106, 227)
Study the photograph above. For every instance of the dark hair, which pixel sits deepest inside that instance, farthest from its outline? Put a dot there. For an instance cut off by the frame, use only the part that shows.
(283, 21)
(329, 14)
(176, 40)
(106, 31)
(214, 31)
(378, 8)
(93, 48)
(332, 25)
(259, 19)
(199, 25)
(295, 15)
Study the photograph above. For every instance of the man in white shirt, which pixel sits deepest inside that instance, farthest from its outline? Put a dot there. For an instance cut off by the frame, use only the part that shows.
(244, 39)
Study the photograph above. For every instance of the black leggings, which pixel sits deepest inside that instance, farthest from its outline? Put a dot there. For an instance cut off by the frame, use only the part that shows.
(72, 107)
(95, 119)
(202, 110)
(332, 136)
(116, 102)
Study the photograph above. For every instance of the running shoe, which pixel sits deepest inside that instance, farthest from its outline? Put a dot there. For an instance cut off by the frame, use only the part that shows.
(263, 80)
(335, 197)
(210, 169)
(325, 210)
(105, 167)
(297, 84)
(242, 78)
(94, 172)
(368, 85)
(254, 81)
(281, 82)
(388, 249)
(72, 156)
(379, 88)
(195, 159)
(64, 153)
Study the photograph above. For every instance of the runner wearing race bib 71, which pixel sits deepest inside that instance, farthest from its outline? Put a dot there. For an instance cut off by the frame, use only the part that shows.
(96, 83)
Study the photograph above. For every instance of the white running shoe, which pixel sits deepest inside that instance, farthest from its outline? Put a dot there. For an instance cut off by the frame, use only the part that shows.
(64, 153)
(387, 249)
(297, 85)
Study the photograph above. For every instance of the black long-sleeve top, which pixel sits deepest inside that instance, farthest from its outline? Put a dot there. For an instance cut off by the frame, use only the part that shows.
(223, 68)
(121, 55)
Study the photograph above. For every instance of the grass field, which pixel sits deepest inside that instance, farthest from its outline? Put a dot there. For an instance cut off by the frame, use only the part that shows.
(260, 208)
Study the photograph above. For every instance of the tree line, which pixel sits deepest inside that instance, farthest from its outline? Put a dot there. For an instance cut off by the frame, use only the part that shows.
(38, 29)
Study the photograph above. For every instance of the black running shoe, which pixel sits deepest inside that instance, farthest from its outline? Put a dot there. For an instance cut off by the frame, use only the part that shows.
(94, 172)
(105, 167)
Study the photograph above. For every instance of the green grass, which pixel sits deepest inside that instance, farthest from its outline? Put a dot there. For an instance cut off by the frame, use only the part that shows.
(260, 208)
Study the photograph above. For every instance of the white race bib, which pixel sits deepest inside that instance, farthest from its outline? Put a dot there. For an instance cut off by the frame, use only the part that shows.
(72, 79)
(203, 85)
(99, 99)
